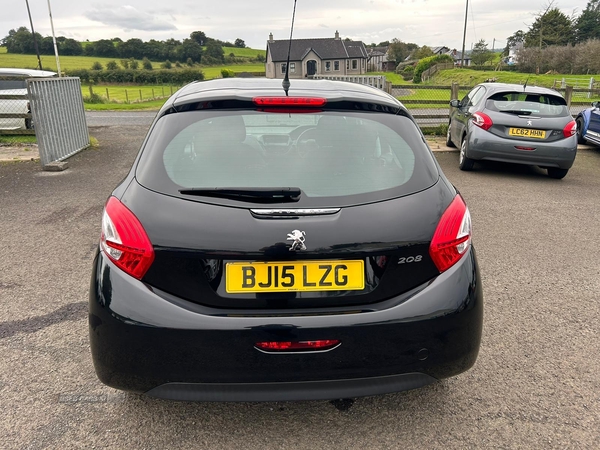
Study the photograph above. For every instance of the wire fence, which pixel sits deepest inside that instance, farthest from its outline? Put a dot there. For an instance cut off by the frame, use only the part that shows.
(127, 94)
(15, 113)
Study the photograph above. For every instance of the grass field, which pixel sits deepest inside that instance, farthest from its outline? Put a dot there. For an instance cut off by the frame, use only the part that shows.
(85, 62)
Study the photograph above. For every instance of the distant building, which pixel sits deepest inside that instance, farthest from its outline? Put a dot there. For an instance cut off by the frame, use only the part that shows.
(324, 56)
(379, 61)
(441, 50)
(457, 56)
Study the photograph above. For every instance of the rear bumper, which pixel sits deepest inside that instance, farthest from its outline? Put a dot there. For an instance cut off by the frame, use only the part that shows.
(487, 146)
(144, 342)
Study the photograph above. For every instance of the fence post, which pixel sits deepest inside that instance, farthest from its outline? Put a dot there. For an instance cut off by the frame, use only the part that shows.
(107, 96)
(589, 95)
(126, 97)
(568, 95)
(454, 91)
(91, 91)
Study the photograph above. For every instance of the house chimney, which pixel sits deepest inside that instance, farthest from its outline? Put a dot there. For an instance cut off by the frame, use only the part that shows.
(271, 37)
(337, 35)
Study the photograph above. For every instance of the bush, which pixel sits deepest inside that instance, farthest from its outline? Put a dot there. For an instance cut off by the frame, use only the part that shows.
(112, 65)
(162, 76)
(429, 62)
(227, 73)
(166, 65)
(133, 64)
(125, 63)
(260, 58)
(189, 62)
(146, 64)
(97, 66)
(178, 64)
(93, 98)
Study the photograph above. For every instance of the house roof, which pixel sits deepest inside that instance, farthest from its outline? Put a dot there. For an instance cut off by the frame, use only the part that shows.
(458, 55)
(440, 49)
(326, 48)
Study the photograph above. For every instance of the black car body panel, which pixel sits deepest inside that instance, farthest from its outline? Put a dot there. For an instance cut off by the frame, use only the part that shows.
(178, 332)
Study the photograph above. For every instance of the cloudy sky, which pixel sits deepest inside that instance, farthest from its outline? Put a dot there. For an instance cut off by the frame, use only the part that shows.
(426, 22)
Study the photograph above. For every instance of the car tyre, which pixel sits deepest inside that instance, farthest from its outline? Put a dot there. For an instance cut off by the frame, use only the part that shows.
(464, 162)
(580, 138)
(449, 142)
(553, 172)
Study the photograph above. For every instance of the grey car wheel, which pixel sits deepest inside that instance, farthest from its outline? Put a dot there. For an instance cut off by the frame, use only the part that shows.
(580, 138)
(449, 142)
(465, 163)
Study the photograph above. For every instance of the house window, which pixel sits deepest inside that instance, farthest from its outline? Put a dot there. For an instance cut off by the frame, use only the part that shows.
(283, 68)
(327, 66)
(292, 67)
(354, 64)
(336, 65)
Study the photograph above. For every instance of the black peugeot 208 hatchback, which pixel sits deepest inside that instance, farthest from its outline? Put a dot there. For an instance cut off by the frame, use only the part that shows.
(272, 247)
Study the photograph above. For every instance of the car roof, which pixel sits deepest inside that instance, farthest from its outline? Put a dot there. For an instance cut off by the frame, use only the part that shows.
(495, 87)
(247, 88)
(26, 72)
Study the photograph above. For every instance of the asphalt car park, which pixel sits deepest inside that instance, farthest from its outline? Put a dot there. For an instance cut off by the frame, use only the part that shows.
(535, 383)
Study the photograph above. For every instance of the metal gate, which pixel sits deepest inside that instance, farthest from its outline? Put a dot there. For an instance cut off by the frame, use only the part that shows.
(58, 117)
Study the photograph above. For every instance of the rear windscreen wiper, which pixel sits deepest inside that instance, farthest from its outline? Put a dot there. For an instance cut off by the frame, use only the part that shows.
(254, 194)
(518, 113)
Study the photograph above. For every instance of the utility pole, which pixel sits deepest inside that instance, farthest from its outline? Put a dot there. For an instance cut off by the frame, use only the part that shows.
(35, 44)
(494, 45)
(462, 62)
(54, 40)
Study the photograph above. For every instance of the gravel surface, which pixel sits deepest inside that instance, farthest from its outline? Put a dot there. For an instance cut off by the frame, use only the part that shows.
(536, 383)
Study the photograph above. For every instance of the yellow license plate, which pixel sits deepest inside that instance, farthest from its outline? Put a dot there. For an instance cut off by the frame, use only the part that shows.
(526, 132)
(305, 276)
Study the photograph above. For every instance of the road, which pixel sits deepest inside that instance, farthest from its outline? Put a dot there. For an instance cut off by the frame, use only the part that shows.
(535, 384)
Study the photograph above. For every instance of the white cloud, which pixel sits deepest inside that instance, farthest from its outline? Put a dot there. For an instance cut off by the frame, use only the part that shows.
(128, 18)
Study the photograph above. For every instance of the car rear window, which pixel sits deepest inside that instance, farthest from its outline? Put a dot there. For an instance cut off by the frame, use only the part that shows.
(335, 158)
(12, 84)
(523, 103)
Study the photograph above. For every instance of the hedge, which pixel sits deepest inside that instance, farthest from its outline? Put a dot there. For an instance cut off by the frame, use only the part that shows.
(428, 62)
(177, 77)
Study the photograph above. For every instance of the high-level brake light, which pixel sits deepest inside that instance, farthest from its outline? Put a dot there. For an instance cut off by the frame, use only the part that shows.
(309, 102)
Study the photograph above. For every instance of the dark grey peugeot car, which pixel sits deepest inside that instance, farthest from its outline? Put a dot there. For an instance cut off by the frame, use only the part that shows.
(515, 124)
(272, 247)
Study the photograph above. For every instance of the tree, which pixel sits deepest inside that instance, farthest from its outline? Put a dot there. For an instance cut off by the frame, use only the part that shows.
(398, 51)
(481, 54)
(20, 41)
(423, 52)
(214, 50)
(146, 64)
(112, 65)
(239, 43)
(199, 37)
(71, 47)
(96, 66)
(514, 40)
(133, 64)
(550, 27)
(587, 25)
(166, 65)
(105, 48)
(190, 49)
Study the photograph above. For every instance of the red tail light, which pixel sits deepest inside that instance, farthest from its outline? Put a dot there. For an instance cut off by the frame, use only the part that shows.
(290, 101)
(124, 240)
(570, 129)
(482, 120)
(276, 346)
(452, 237)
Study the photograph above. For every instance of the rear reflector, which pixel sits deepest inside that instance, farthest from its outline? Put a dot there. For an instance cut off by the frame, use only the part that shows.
(452, 237)
(570, 129)
(124, 240)
(290, 101)
(301, 346)
(528, 149)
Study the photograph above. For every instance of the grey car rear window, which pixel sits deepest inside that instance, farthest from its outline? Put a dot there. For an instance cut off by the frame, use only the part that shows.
(542, 105)
(333, 157)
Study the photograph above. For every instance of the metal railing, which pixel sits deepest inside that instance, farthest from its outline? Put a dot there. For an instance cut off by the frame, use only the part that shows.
(58, 117)
(377, 81)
